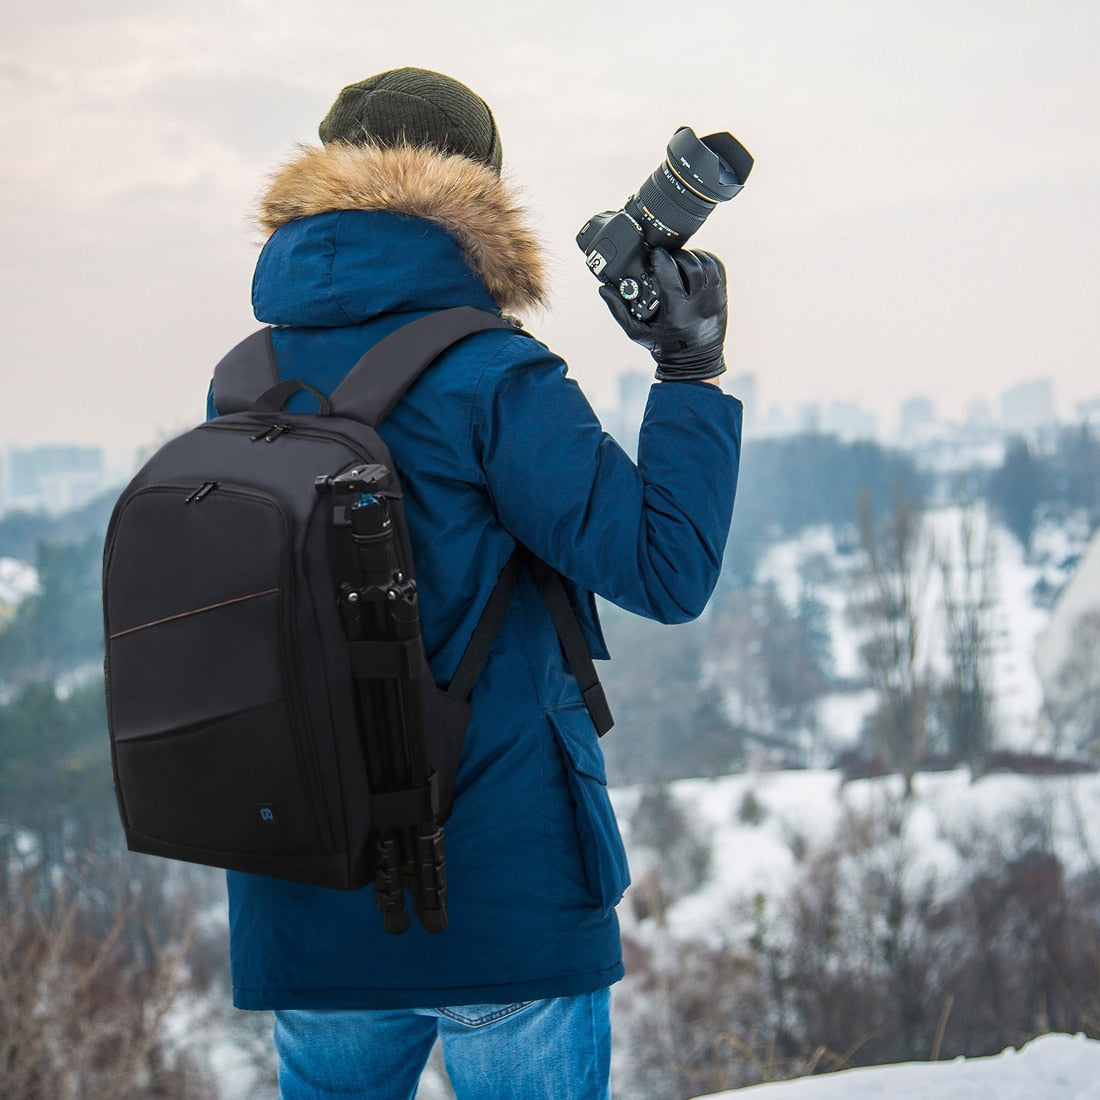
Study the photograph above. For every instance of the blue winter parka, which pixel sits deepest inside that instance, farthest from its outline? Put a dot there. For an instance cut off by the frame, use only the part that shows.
(494, 445)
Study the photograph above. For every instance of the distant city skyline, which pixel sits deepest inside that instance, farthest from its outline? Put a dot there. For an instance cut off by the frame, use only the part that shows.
(923, 216)
(1021, 409)
(56, 477)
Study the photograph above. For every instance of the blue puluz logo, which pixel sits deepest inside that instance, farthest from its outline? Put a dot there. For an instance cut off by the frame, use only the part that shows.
(267, 815)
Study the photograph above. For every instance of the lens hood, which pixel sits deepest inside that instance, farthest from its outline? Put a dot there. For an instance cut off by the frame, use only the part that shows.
(714, 168)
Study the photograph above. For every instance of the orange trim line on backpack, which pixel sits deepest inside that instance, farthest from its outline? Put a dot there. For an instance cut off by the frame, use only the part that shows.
(195, 611)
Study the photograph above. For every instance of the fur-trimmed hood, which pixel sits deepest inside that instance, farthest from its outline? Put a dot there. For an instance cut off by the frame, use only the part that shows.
(471, 202)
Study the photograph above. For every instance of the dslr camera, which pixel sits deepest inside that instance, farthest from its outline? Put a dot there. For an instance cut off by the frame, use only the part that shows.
(697, 174)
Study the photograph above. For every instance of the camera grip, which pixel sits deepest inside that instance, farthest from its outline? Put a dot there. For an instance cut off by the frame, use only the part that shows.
(687, 335)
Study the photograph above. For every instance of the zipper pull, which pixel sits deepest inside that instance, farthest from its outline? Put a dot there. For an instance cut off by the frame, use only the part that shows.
(269, 435)
(203, 491)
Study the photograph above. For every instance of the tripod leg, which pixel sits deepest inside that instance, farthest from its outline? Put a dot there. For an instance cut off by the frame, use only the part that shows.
(389, 895)
(430, 897)
(392, 723)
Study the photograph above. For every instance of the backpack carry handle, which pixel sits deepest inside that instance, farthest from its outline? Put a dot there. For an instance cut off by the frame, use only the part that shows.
(272, 400)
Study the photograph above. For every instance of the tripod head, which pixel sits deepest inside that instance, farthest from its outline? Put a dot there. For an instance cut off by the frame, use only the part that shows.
(362, 479)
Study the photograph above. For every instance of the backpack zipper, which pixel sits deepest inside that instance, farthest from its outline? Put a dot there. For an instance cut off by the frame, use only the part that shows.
(203, 491)
(270, 434)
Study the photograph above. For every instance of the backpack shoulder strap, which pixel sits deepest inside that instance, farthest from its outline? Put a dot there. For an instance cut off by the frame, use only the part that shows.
(247, 371)
(573, 643)
(378, 381)
(369, 393)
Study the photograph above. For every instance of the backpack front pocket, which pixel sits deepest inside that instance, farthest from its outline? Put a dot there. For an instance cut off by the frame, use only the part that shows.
(210, 747)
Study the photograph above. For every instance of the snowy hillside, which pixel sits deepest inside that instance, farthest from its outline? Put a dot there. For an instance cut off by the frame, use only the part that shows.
(1052, 1067)
(784, 923)
(763, 826)
(825, 563)
(782, 896)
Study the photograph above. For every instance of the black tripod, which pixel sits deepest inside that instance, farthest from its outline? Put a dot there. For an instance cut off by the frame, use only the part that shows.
(381, 619)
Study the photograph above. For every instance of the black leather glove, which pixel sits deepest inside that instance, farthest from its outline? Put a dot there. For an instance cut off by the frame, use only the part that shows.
(686, 336)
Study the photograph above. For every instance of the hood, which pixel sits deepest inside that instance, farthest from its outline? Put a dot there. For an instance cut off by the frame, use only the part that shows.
(355, 231)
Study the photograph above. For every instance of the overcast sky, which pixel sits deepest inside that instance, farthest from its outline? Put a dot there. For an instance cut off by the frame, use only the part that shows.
(923, 217)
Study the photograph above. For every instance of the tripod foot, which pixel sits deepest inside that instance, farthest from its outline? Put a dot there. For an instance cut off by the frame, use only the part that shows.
(396, 921)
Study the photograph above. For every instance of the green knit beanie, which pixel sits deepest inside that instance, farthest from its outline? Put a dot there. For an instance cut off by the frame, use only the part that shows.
(418, 107)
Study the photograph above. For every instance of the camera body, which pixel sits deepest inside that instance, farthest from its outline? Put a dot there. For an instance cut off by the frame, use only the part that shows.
(616, 252)
(668, 208)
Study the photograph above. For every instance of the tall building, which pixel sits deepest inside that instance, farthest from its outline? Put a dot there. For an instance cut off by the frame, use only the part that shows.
(848, 421)
(1089, 412)
(1029, 406)
(916, 416)
(51, 478)
(979, 416)
(744, 387)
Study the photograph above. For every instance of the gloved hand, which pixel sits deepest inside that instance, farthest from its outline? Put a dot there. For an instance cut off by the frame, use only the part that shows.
(686, 335)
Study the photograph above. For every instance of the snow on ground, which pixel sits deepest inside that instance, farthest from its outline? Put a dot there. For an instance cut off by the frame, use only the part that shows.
(812, 562)
(17, 581)
(1018, 623)
(759, 824)
(841, 715)
(1051, 1067)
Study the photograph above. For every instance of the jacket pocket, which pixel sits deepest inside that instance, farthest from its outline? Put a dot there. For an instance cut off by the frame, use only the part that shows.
(601, 844)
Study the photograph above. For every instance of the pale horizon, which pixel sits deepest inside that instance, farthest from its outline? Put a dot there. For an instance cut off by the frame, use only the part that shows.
(923, 218)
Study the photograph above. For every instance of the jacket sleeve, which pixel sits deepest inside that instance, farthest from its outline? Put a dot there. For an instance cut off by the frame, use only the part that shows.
(648, 537)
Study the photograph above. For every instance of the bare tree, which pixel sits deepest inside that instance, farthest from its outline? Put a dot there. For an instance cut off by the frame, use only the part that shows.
(767, 660)
(87, 985)
(969, 595)
(886, 608)
(1075, 705)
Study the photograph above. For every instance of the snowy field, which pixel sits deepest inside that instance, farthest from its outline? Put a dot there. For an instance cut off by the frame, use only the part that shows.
(812, 562)
(1052, 1067)
(797, 812)
(793, 812)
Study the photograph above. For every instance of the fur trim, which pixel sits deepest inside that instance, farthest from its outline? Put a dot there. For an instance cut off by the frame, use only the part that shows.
(467, 199)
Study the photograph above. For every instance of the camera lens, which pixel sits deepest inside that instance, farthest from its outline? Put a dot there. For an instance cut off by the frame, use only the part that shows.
(695, 176)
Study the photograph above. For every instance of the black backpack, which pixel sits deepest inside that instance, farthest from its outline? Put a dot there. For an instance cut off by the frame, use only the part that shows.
(269, 702)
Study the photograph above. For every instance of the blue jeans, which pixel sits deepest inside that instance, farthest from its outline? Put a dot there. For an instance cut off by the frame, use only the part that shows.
(557, 1049)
